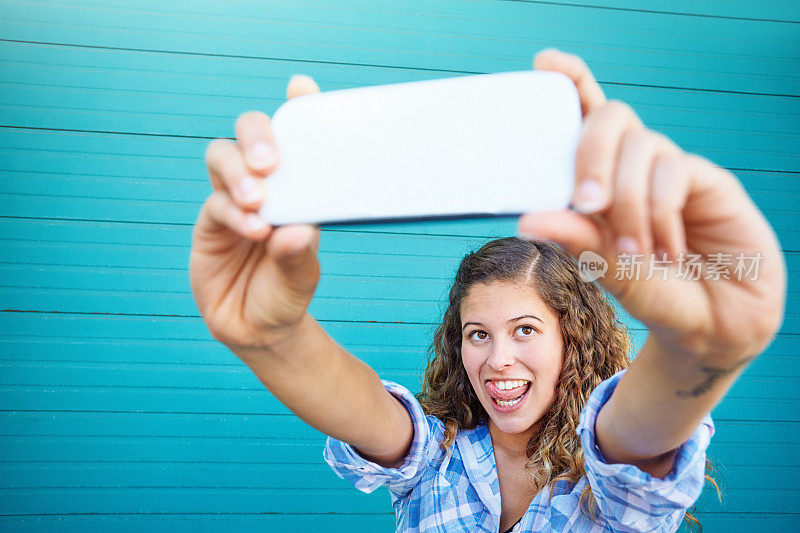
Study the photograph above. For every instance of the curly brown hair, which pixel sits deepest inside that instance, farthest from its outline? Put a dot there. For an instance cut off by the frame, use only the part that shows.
(596, 347)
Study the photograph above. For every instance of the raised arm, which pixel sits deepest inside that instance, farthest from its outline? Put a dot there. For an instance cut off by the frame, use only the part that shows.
(253, 284)
(638, 193)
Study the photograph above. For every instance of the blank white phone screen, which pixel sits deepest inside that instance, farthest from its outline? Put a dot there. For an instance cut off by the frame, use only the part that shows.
(481, 145)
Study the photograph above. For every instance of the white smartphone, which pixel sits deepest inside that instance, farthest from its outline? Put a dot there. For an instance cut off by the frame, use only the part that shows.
(470, 146)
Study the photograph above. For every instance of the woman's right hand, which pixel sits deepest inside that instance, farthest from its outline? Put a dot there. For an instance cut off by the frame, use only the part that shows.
(252, 282)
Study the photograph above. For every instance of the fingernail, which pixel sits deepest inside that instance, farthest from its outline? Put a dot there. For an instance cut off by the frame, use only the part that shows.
(589, 197)
(627, 245)
(251, 189)
(299, 250)
(255, 222)
(262, 155)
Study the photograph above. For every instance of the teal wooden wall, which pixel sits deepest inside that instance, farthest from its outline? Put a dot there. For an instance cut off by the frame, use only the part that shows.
(118, 410)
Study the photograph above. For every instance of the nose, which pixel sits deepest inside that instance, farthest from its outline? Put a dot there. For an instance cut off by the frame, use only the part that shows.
(501, 356)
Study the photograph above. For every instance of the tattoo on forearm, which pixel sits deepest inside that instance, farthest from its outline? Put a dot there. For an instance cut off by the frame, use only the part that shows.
(713, 373)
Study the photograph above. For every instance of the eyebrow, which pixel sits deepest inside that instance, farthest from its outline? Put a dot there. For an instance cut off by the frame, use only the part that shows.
(510, 321)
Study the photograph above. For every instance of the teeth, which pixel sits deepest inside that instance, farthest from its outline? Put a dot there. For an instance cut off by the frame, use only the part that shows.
(509, 384)
(504, 403)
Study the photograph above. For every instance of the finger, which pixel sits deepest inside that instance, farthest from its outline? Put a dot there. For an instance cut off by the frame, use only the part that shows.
(255, 135)
(294, 251)
(256, 142)
(229, 173)
(300, 84)
(669, 191)
(629, 215)
(220, 212)
(596, 155)
(589, 91)
(294, 241)
(575, 233)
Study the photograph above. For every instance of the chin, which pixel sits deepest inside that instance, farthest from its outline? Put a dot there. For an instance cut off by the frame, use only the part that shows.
(513, 427)
(512, 423)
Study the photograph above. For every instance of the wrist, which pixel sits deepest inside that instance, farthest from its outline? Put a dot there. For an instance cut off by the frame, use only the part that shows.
(275, 343)
(705, 348)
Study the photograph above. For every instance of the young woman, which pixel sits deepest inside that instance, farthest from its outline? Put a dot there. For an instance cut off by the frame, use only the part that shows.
(530, 416)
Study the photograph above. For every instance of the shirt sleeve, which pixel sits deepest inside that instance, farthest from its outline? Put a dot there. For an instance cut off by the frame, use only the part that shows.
(629, 498)
(365, 475)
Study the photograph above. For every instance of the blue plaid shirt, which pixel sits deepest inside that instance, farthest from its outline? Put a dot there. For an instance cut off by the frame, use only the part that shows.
(458, 490)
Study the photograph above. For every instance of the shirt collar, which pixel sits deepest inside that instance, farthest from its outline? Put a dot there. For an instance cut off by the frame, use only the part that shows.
(476, 449)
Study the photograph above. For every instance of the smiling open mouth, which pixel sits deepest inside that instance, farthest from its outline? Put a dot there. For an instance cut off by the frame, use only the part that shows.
(507, 393)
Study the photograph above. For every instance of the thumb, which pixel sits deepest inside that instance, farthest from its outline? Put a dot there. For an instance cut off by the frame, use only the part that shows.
(294, 249)
(300, 84)
(574, 232)
(577, 233)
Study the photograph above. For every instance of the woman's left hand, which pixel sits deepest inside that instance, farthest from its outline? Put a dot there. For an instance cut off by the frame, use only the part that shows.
(639, 195)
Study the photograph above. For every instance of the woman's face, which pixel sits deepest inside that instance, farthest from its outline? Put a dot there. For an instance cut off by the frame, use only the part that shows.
(512, 351)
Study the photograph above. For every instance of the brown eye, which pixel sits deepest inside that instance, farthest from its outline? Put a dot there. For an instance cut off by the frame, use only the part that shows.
(478, 332)
(528, 330)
